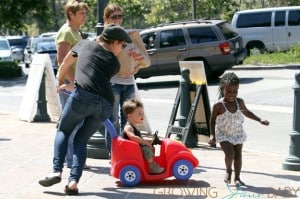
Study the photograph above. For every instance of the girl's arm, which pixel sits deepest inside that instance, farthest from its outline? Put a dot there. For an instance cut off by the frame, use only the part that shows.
(250, 114)
(214, 114)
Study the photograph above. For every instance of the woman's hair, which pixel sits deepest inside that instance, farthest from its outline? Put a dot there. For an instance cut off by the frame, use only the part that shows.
(74, 6)
(110, 8)
(227, 79)
(130, 105)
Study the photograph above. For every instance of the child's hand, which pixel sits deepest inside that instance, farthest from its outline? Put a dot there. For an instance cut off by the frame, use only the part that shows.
(265, 122)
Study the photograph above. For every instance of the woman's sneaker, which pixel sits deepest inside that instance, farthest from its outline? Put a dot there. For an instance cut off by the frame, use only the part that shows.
(155, 169)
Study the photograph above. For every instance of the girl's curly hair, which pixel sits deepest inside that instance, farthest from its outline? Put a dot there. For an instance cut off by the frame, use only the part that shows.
(228, 79)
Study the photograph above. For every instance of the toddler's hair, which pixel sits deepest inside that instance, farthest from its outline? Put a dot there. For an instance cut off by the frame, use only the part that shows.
(130, 105)
(227, 79)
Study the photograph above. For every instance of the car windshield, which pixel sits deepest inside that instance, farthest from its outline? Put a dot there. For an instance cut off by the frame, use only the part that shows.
(20, 43)
(46, 47)
(4, 45)
(37, 40)
(228, 30)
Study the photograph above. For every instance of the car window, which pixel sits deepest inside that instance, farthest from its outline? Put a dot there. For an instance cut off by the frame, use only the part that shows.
(171, 38)
(4, 45)
(37, 40)
(202, 35)
(18, 42)
(149, 40)
(280, 18)
(227, 30)
(294, 18)
(44, 47)
(257, 19)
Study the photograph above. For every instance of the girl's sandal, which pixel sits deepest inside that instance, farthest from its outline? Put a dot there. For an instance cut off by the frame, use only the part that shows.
(239, 183)
(70, 192)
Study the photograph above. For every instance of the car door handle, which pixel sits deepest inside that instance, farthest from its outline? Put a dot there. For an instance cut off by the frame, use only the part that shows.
(289, 34)
(182, 49)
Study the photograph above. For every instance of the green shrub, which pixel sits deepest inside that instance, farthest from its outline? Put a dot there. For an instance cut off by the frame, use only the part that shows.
(9, 69)
(291, 56)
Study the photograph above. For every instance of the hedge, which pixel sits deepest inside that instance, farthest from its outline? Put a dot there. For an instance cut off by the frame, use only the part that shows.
(10, 69)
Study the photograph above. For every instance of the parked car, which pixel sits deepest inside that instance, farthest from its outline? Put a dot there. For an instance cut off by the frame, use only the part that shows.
(5, 50)
(31, 48)
(268, 29)
(48, 34)
(17, 44)
(50, 48)
(212, 41)
(89, 35)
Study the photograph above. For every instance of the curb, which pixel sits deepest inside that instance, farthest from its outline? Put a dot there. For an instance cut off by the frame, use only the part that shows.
(266, 67)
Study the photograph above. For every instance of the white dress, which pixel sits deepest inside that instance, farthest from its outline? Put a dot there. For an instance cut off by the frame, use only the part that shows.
(229, 126)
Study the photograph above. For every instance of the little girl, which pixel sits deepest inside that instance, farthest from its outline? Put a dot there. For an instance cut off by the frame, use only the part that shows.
(226, 125)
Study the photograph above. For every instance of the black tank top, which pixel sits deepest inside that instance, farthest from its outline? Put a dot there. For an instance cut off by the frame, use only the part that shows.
(135, 131)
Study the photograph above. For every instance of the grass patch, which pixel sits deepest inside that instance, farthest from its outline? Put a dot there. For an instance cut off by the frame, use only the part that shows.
(290, 57)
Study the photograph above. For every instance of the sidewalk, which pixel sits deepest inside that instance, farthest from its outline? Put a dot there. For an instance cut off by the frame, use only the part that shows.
(26, 152)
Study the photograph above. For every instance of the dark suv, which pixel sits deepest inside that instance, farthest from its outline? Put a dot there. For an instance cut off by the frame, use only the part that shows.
(212, 41)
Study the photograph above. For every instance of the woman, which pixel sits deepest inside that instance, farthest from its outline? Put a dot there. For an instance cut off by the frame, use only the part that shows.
(67, 37)
(123, 86)
(91, 101)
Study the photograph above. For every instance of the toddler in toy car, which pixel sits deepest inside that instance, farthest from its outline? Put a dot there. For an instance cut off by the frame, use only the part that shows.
(134, 113)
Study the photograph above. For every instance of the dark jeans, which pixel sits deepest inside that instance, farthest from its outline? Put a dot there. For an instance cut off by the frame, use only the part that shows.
(82, 107)
(121, 94)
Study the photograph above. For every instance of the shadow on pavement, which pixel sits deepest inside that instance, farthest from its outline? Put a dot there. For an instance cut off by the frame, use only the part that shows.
(10, 82)
(158, 85)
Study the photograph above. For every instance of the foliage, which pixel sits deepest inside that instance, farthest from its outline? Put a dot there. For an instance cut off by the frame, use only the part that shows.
(33, 17)
(9, 69)
(91, 23)
(134, 12)
(14, 13)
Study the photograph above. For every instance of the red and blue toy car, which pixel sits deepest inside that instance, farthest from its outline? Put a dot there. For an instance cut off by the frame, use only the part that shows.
(128, 164)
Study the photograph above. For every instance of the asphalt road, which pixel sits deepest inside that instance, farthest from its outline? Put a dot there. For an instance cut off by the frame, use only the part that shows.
(268, 93)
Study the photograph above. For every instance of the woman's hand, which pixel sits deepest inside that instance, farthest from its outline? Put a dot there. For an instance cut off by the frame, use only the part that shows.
(67, 87)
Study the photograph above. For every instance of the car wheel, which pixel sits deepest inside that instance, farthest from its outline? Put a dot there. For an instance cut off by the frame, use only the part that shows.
(130, 176)
(183, 169)
(255, 48)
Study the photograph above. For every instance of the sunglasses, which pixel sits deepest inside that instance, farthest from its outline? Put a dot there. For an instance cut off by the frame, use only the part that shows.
(114, 17)
(124, 45)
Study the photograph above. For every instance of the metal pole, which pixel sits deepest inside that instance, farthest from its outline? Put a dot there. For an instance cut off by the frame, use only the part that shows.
(101, 4)
(194, 9)
(292, 162)
(185, 101)
(41, 114)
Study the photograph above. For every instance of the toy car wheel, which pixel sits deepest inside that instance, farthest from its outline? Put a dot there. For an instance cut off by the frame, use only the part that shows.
(130, 176)
(183, 169)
